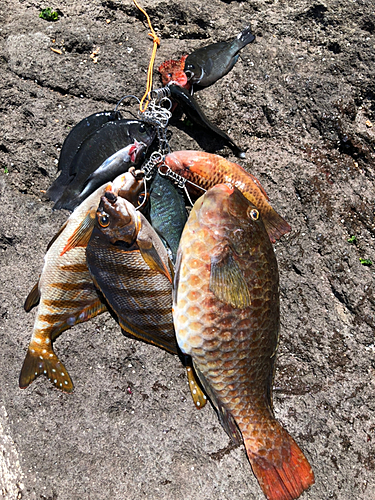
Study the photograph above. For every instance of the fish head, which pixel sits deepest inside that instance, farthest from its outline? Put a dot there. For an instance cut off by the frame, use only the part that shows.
(137, 151)
(173, 71)
(129, 185)
(231, 216)
(142, 132)
(117, 219)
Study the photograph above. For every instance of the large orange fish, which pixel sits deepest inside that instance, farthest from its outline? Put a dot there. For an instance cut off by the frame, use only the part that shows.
(206, 169)
(226, 316)
(65, 291)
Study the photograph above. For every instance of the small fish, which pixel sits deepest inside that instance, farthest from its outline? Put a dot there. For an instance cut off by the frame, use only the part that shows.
(226, 316)
(206, 170)
(195, 113)
(65, 291)
(167, 212)
(207, 65)
(130, 266)
(95, 149)
(72, 144)
(113, 166)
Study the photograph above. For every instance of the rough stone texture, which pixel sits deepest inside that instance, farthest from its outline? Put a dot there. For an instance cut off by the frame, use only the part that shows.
(301, 100)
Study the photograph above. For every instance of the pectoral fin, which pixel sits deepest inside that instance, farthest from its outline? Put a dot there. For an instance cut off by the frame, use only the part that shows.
(82, 234)
(33, 298)
(150, 251)
(227, 282)
(226, 419)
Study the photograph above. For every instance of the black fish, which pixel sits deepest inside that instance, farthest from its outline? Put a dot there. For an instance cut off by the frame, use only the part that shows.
(99, 146)
(167, 212)
(73, 142)
(206, 65)
(194, 112)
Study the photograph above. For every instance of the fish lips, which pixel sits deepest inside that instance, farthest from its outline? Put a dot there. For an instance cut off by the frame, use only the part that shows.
(114, 219)
(137, 151)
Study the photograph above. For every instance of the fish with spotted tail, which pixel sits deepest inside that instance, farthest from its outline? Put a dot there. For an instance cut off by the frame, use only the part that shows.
(65, 291)
(226, 316)
(206, 169)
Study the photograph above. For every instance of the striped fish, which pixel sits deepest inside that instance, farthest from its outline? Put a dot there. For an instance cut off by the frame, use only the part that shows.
(65, 291)
(130, 265)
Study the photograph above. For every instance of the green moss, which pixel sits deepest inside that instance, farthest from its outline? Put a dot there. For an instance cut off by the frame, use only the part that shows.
(365, 262)
(49, 15)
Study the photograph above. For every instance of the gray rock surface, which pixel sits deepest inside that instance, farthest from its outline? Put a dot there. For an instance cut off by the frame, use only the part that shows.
(301, 100)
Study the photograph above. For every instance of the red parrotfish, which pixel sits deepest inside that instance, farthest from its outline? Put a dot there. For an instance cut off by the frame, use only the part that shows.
(130, 266)
(206, 169)
(226, 316)
(65, 291)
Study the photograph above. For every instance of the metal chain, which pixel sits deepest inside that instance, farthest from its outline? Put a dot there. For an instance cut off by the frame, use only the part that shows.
(165, 171)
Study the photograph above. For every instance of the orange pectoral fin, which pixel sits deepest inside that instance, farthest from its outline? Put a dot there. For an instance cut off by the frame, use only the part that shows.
(152, 258)
(82, 234)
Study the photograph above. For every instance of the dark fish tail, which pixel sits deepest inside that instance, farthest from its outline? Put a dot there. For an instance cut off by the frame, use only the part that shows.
(245, 36)
(41, 360)
(275, 225)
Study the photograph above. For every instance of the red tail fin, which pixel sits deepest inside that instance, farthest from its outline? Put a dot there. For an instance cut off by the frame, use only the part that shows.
(286, 480)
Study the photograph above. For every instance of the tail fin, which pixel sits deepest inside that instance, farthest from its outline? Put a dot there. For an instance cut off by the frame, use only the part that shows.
(275, 225)
(246, 36)
(286, 478)
(44, 362)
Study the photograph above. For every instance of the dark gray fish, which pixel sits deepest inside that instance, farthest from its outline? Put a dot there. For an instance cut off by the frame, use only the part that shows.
(72, 144)
(113, 166)
(195, 113)
(206, 65)
(110, 138)
(167, 212)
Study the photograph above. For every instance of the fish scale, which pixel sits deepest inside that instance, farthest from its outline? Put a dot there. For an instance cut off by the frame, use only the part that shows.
(226, 315)
(131, 288)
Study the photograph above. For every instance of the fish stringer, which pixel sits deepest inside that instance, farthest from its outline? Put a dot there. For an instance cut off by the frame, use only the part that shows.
(158, 114)
(181, 182)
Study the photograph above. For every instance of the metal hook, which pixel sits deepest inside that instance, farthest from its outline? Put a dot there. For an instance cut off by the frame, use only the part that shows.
(145, 197)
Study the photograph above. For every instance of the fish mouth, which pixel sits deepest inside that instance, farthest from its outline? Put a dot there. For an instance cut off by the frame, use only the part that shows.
(136, 151)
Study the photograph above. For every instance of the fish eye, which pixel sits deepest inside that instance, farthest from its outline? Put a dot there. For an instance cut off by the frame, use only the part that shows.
(169, 75)
(142, 128)
(103, 220)
(142, 198)
(253, 213)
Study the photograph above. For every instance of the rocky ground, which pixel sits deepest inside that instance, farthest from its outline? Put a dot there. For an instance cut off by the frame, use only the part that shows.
(301, 101)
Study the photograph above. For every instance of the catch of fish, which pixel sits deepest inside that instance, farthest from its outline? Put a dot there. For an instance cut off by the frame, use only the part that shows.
(180, 252)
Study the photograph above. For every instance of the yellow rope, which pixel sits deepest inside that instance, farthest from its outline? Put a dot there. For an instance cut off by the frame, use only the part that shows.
(156, 41)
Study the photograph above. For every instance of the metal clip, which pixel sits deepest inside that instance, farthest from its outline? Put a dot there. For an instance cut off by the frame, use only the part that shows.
(165, 171)
(148, 168)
